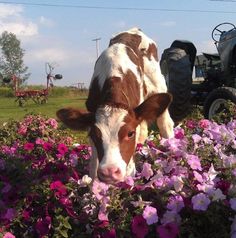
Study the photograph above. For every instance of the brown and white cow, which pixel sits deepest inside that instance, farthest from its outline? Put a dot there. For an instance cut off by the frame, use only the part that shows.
(127, 91)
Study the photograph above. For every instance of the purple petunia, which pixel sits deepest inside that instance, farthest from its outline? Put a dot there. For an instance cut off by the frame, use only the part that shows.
(200, 202)
(150, 215)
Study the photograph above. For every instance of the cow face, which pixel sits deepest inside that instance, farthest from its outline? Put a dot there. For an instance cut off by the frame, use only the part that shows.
(113, 133)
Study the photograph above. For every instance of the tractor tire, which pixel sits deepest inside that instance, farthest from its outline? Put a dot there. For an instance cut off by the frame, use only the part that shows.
(215, 101)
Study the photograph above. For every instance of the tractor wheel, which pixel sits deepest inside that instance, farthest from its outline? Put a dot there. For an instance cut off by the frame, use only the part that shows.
(216, 100)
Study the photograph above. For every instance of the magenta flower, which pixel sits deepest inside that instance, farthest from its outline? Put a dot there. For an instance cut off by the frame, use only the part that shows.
(139, 226)
(62, 149)
(47, 146)
(26, 215)
(43, 226)
(191, 124)
(8, 235)
(29, 146)
(147, 171)
(150, 215)
(179, 133)
(59, 188)
(170, 230)
(194, 162)
(110, 234)
(200, 202)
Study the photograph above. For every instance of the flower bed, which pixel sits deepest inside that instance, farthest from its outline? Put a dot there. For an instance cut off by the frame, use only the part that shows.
(184, 186)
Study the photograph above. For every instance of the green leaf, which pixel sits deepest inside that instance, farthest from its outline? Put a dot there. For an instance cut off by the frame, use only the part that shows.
(63, 233)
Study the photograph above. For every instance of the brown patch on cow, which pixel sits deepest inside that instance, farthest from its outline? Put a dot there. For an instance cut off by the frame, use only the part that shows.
(127, 136)
(94, 95)
(137, 59)
(144, 89)
(131, 40)
(152, 52)
(96, 136)
(153, 107)
(124, 91)
(76, 119)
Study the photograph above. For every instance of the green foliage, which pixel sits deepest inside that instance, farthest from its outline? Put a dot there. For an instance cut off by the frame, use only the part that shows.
(11, 61)
(226, 115)
(6, 92)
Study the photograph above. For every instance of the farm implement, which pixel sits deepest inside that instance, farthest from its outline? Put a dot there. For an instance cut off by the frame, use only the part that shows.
(39, 96)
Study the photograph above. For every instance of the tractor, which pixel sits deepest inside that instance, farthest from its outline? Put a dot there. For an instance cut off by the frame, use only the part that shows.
(215, 74)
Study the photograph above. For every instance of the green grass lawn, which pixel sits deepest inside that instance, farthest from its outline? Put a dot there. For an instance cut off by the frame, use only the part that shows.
(9, 109)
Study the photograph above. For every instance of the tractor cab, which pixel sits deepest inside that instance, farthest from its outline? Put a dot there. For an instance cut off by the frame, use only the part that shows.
(224, 36)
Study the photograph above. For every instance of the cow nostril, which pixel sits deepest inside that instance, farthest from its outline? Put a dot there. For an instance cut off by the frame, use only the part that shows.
(117, 171)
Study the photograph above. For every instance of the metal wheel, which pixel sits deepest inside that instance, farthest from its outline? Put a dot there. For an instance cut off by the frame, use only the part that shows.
(216, 101)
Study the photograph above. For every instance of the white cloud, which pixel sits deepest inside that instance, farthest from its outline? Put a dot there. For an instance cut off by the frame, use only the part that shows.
(11, 20)
(120, 24)
(63, 56)
(168, 23)
(7, 10)
(19, 28)
(49, 55)
(46, 22)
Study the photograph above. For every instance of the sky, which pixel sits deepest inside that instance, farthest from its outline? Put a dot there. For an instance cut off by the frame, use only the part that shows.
(61, 32)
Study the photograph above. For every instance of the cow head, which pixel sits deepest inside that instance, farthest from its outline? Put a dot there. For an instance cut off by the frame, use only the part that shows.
(113, 133)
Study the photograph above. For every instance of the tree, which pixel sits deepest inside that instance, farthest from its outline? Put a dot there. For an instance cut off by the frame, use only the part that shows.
(11, 57)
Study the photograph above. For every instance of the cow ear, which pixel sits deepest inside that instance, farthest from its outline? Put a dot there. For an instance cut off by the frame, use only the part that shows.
(153, 107)
(76, 119)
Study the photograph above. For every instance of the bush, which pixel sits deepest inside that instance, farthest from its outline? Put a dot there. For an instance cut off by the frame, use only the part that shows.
(6, 92)
(184, 186)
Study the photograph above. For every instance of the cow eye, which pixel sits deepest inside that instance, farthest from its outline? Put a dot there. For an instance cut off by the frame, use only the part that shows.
(131, 134)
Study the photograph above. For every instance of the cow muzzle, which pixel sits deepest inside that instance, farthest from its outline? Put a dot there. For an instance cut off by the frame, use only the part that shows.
(110, 174)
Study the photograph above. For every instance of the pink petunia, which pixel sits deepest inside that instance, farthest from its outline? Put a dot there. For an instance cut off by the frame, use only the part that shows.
(170, 230)
(8, 235)
(147, 171)
(99, 189)
(139, 226)
(194, 162)
(204, 123)
(52, 122)
(28, 146)
(150, 215)
(22, 130)
(39, 141)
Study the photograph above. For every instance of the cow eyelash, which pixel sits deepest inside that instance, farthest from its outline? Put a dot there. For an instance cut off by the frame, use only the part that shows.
(131, 134)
